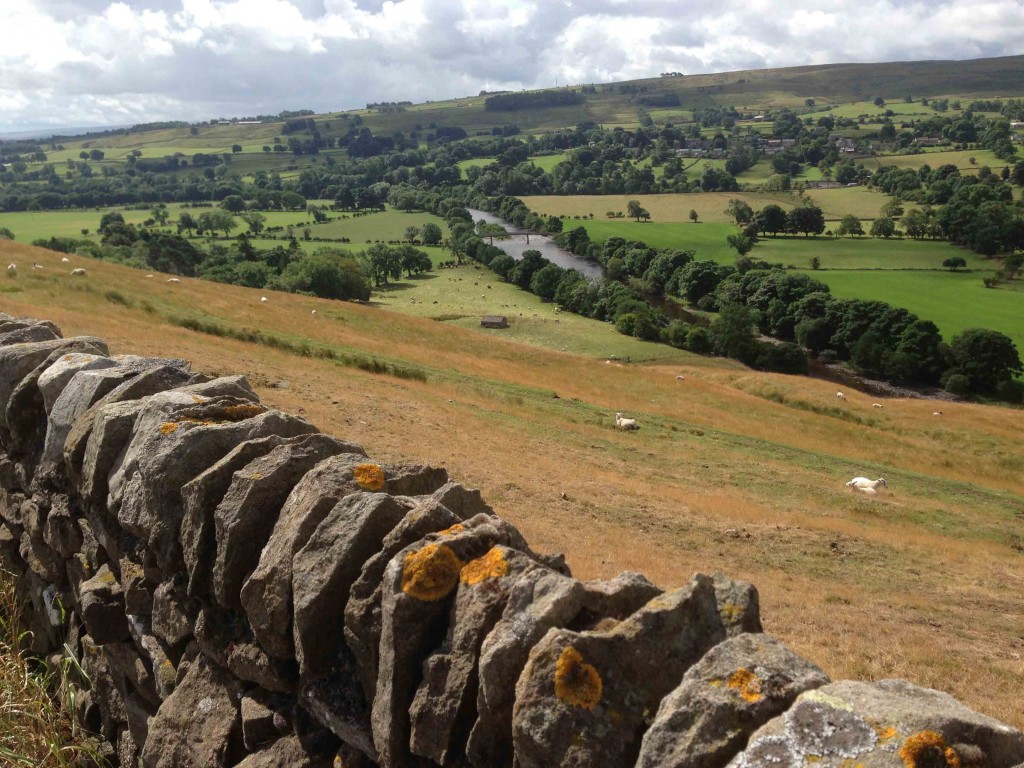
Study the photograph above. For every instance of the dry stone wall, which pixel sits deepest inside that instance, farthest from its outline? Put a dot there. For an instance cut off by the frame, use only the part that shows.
(243, 590)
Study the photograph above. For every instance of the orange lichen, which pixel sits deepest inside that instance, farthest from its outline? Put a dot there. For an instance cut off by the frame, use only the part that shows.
(369, 477)
(885, 732)
(168, 427)
(493, 565)
(577, 682)
(457, 528)
(430, 573)
(746, 684)
(926, 749)
(242, 411)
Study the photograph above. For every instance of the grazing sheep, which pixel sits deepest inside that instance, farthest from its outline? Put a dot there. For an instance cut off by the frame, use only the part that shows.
(866, 486)
(78, 272)
(149, 275)
(263, 299)
(65, 260)
(173, 280)
(936, 413)
(840, 396)
(313, 312)
(680, 377)
(622, 423)
(877, 405)
(12, 270)
(36, 265)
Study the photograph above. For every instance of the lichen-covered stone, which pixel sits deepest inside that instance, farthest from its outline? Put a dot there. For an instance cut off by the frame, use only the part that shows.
(445, 702)
(885, 724)
(538, 601)
(293, 752)
(585, 698)
(102, 602)
(739, 685)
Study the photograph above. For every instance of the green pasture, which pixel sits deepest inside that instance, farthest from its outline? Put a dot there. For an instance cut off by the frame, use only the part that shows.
(865, 253)
(952, 301)
(868, 109)
(960, 158)
(544, 162)
(706, 240)
(389, 224)
(861, 201)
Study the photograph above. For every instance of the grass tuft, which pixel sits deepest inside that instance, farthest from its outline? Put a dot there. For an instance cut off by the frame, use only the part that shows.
(37, 721)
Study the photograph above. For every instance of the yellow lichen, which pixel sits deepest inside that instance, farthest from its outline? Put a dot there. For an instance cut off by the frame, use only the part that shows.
(168, 427)
(923, 749)
(493, 565)
(885, 732)
(577, 682)
(746, 684)
(430, 573)
(457, 528)
(369, 477)
(731, 612)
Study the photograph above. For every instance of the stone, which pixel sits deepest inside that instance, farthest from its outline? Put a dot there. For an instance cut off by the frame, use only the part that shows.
(738, 605)
(104, 691)
(267, 594)
(225, 638)
(257, 722)
(362, 613)
(102, 602)
(419, 585)
(199, 724)
(884, 724)
(138, 590)
(173, 443)
(130, 673)
(40, 559)
(738, 686)
(584, 698)
(172, 617)
(61, 531)
(56, 376)
(293, 752)
(325, 568)
(38, 331)
(246, 516)
(538, 601)
(444, 706)
(200, 497)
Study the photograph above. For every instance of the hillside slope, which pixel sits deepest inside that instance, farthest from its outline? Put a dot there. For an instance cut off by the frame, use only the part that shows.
(731, 469)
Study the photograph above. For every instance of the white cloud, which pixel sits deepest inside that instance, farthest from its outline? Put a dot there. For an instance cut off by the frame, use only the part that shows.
(104, 61)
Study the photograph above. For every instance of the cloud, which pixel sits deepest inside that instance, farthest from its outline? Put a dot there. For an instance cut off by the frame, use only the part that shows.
(76, 62)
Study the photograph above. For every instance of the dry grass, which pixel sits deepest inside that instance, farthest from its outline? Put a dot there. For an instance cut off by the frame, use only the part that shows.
(731, 470)
(37, 725)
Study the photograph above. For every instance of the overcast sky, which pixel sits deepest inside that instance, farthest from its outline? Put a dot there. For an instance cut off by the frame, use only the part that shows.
(96, 62)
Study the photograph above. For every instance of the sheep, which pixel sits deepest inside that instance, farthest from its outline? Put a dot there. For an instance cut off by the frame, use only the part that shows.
(936, 413)
(866, 486)
(36, 265)
(263, 299)
(680, 377)
(150, 275)
(78, 272)
(622, 423)
(173, 280)
(313, 312)
(877, 405)
(840, 396)
(12, 269)
(65, 260)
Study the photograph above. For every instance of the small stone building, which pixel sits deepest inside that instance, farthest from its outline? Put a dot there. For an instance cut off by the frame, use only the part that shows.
(494, 321)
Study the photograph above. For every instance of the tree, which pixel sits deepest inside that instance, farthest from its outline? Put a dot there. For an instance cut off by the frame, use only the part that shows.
(414, 260)
(772, 218)
(236, 148)
(233, 203)
(634, 209)
(327, 273)
(381, 263)
(255, 220)
(879, 101)
(411, 233)
(160, 214)
(186, 223)
(883, 226)
(693, 215)
(545, 281)
(553, 224)
(953, 263)
(430, 234)
(742, 243)
(807, 218)
(732, 333)
(985, 357)
(96, 154)
(850, 225)
(740, 211)
(217, 219)
(6, 234)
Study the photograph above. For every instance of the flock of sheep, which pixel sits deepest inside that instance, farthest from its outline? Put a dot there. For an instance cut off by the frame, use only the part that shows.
(12, 268)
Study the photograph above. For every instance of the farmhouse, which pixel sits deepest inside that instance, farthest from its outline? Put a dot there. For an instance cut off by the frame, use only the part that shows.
(494, 321)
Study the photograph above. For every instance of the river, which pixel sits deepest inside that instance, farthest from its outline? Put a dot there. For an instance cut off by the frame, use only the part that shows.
(515, 245)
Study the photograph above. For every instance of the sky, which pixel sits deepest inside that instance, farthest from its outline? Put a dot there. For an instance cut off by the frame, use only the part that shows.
(97, 62)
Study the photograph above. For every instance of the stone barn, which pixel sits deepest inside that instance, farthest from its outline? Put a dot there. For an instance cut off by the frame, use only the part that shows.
(494, 321)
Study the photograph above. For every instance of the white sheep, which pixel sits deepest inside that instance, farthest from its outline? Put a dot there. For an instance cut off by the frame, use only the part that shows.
(622, 423)
(313, 312)
(936, 413)
(680, 377)
(877, 405)
(840, 396)
(150, 275)
(864, 485)
(78, 272)
(36, 265)
(12, 269)
(173, 280)
(65, 260)
(263, 299)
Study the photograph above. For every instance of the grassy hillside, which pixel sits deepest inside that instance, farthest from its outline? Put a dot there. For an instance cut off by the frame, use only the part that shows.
(731, 470)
